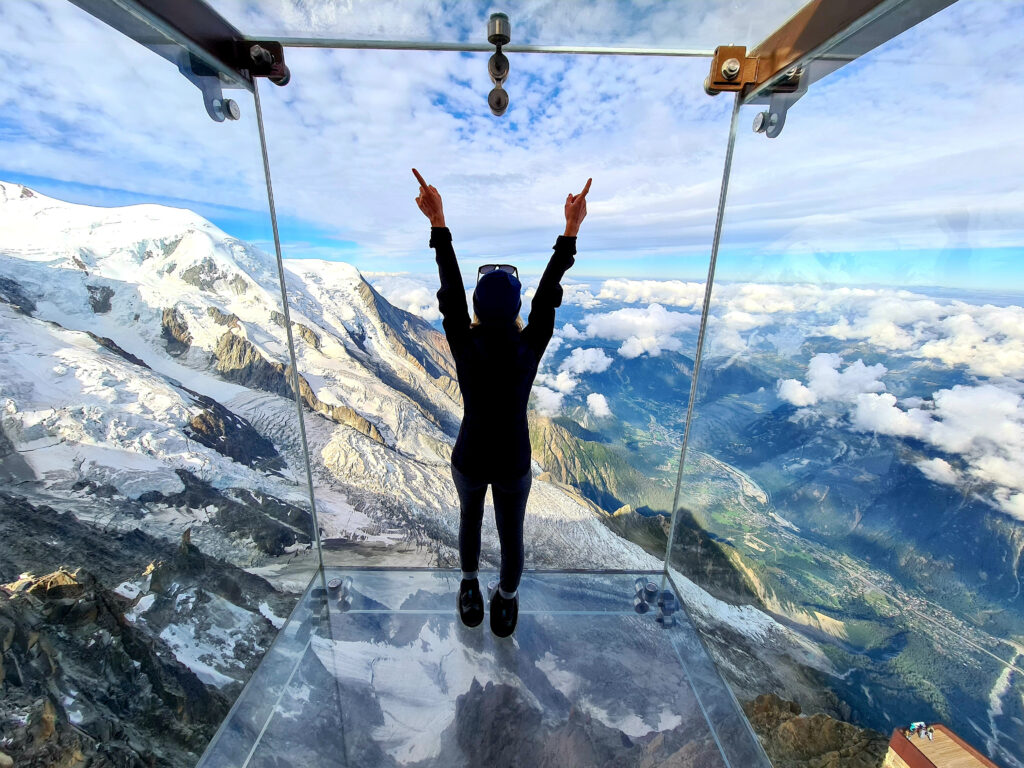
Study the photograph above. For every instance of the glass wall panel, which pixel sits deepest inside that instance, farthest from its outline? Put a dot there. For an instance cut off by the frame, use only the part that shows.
(690, 25)
(853, 469)
(155, 528)
(606, 420)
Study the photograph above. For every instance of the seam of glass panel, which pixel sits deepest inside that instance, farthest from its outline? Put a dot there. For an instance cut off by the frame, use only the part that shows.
(178, 39)
(277, 703)
(450, 612)
(718, 672)
(288, 329)
(455, 571)
(716, 239)
(700, 703)
(821, 52)
(426, 45)
(273, 645)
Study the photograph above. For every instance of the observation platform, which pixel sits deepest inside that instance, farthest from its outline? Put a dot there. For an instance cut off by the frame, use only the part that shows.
(383, 673)
(944, 750)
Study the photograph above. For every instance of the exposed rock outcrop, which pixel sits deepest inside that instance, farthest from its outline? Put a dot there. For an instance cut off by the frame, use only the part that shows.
(308, 335)
(86, 687)
(12, 293)
(273, 525)
(113, 346)
(99, 298)
(794, 740)
(304, 332)
(415, 340)
(222, 318)
(239, 361)
(230, 435)
(175, 332)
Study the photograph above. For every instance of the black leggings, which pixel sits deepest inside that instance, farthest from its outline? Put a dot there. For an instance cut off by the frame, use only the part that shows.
(509, 510)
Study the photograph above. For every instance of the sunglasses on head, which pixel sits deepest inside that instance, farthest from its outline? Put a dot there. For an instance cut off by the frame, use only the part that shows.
(486, 269)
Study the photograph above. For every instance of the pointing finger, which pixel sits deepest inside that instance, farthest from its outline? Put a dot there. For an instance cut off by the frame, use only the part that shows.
(586, 188)
(419, 178)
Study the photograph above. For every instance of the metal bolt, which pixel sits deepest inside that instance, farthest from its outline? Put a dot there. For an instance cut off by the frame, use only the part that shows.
(231, 110)
(731, 69)
(260, 56)
(760, 122)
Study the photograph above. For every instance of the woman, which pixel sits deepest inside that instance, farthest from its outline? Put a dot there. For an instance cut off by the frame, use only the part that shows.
(496, 360)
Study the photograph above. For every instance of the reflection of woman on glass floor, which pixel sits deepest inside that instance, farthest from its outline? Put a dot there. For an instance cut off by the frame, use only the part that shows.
(496, 359)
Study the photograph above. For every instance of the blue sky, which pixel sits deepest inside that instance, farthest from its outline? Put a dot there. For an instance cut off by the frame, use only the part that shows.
(905, 168)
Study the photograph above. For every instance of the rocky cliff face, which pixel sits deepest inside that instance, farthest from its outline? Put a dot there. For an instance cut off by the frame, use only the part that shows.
(238, 360)
(794, 740)
(89, 674)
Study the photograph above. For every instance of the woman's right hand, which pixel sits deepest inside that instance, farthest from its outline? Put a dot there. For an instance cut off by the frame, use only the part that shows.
(576, 211)
(429, 201)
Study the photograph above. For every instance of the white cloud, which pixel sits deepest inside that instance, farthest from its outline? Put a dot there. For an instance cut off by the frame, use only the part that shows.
(982, 424)
(548, 402)
(792, 391)
(939, 471)
(648, 330)
(413, 293)
(589, 360)
(571, 333)
(744, 321)
(672, 292)
(597, 404)
(825, 382)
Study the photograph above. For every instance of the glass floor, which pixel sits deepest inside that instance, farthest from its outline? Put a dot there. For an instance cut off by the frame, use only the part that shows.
(381, 672)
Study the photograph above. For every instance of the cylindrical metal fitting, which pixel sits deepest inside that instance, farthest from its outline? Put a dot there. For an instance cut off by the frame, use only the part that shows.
(497, 100)
(497, 68)
(499, 30)
(731, 69)
(651, 591)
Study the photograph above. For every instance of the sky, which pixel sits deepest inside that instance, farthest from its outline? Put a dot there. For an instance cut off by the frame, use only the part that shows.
(903, 168)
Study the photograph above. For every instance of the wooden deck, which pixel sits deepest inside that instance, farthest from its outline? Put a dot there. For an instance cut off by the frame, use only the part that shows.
(944, 752)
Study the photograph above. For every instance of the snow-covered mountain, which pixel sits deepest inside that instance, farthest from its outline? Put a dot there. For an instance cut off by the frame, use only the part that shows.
(146, 385)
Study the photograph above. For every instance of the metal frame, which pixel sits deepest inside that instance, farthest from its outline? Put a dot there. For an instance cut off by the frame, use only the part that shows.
(427, 45)
(820, 38)
(207, 50)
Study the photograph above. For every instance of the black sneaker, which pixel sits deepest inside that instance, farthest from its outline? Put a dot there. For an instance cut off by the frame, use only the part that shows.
(471, 603)
(504, 614)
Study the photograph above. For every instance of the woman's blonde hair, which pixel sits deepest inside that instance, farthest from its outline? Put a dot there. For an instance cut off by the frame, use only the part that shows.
(519, 322)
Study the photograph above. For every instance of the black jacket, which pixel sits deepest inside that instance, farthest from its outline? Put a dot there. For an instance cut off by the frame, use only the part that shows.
(496, 365)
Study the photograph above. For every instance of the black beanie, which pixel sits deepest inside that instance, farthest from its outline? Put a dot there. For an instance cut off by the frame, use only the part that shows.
(496, 298)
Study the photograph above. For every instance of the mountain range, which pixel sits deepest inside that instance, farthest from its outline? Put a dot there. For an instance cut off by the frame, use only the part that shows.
(147, 406)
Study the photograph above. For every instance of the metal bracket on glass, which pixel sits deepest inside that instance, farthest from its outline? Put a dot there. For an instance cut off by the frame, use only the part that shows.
(648, 595)
(207, 49)
(771, 121)
(733, 70)
(257, 58)
(820, 38)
